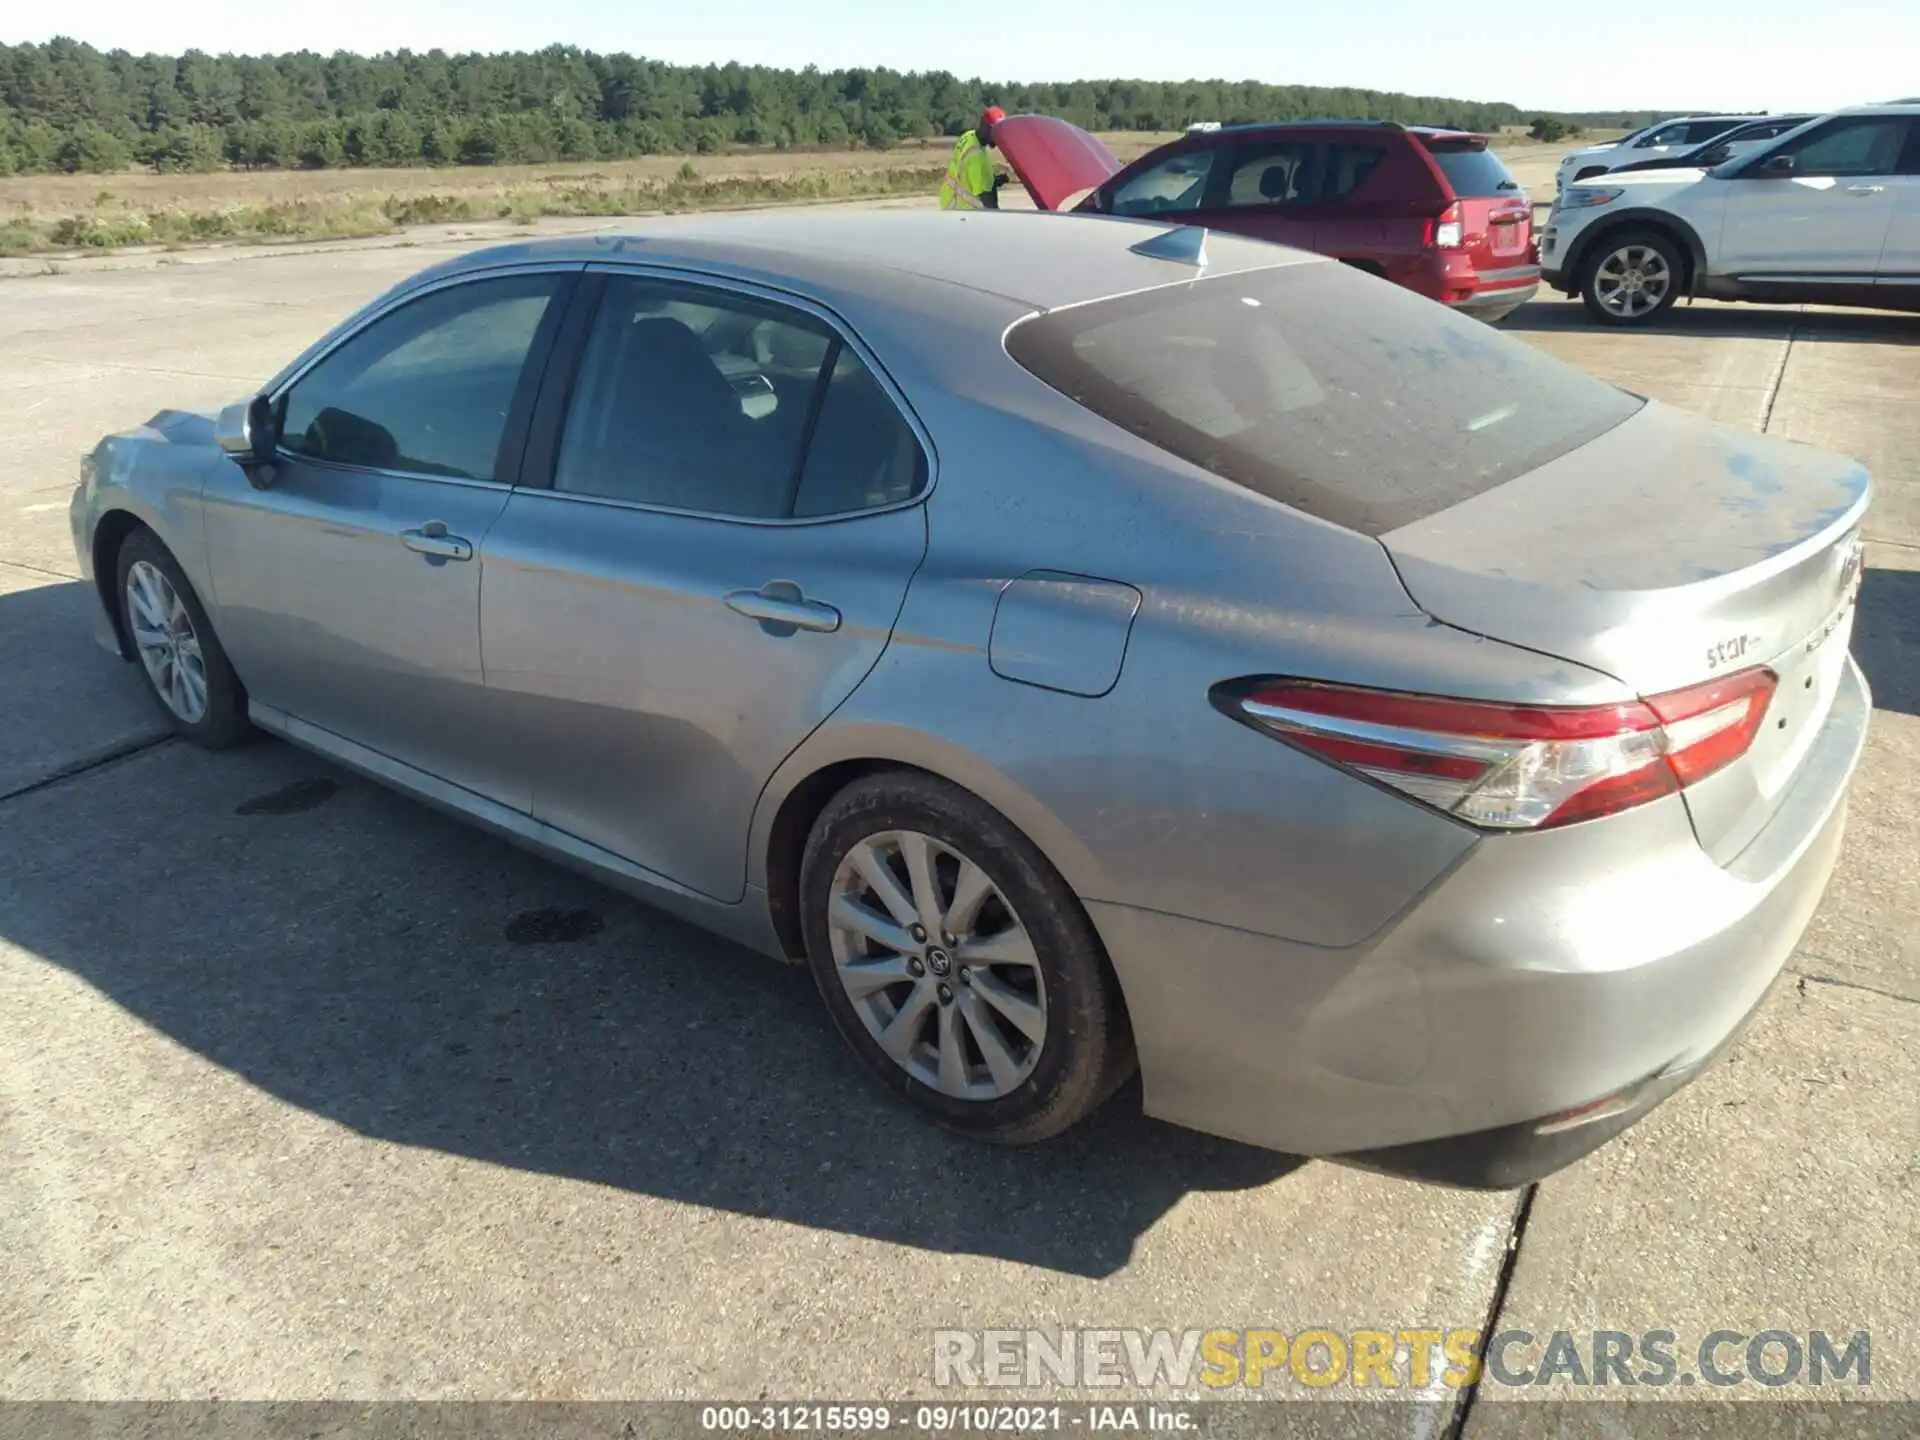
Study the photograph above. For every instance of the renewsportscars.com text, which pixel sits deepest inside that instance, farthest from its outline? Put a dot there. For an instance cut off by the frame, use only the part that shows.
(1414, 1359)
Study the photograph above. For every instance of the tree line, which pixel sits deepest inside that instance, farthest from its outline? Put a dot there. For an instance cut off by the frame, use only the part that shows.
(65, 106)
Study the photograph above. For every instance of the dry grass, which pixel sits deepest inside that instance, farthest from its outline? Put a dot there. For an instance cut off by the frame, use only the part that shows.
(93, 212)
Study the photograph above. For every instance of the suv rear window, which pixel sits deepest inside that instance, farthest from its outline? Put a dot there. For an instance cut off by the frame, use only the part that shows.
(1474, 171)
(1322, 388)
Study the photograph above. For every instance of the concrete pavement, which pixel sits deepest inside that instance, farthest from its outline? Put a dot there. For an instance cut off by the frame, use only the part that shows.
(291, 1106)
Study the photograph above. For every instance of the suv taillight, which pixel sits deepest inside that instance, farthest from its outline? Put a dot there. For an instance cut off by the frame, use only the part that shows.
(1449, 231)
(1516, 767)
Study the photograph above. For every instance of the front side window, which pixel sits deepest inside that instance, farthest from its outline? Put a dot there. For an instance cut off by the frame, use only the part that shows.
(1272, 172)
(722, 404)
(1666, 135)
(1869, 145)
(1178, 182)
(426, 388)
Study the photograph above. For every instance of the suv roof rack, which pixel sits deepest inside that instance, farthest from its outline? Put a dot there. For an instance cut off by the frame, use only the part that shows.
(1317, 120)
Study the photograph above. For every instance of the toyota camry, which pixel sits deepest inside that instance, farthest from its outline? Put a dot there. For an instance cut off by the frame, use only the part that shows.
(1085, 645)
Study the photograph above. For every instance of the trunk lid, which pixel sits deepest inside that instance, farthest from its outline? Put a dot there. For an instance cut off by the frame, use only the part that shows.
(1495, 214)
(1057, 162)
(1665, 553)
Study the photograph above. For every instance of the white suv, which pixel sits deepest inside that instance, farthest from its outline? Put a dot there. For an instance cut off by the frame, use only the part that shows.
(1664, 137)
(1828, 214)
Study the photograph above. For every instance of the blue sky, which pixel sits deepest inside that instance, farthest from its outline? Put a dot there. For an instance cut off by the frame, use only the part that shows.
(1559, 54)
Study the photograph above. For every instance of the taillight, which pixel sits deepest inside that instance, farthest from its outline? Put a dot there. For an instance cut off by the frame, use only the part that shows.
(1518, 767)
(1449, 231)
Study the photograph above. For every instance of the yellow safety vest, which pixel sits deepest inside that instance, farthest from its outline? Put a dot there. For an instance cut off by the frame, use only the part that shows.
(969, 175)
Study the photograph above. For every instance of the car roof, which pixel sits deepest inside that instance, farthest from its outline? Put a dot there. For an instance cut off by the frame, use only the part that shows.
(1040, 261)
(1893, 107)
(1333, 123)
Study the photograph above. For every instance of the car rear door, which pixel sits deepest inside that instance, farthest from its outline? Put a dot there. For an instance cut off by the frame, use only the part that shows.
(718, 519)
(1826, 221)
(1266, 186)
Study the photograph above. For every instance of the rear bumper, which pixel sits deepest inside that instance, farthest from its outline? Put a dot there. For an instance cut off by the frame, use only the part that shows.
(1502, 297)
(1606, 962)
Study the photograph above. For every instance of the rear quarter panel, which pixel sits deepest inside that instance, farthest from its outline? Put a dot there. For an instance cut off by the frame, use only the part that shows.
(1148, 795)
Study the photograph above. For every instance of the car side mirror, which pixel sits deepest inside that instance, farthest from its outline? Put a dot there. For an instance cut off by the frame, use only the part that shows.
(245, 431)
(1715, 155)
(1777, 165)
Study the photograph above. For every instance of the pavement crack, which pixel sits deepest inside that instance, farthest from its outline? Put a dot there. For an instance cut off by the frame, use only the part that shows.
(1516, 1232)
(1815, 978)
(1779, 375)
(96, 761)
(37, 570)
(1897, 544)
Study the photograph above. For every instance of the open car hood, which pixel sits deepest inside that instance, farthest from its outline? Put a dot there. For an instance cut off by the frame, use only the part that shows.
(1057, 162)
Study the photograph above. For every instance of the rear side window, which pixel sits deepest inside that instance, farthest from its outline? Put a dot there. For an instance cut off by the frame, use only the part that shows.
(1349, 165)
(1271, 172)
(1313, 385)
(1473, 171)
(719, 403)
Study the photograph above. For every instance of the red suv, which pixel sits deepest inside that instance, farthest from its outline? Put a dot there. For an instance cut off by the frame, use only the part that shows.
(1431, 209)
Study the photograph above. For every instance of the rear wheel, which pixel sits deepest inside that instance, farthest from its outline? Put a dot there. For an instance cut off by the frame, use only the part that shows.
(1632, 278)
(186, 670)
(957, 963)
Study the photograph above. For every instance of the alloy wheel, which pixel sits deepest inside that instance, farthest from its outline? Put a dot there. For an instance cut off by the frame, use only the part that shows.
(163, 633)
(1632, 281)
(937, 965)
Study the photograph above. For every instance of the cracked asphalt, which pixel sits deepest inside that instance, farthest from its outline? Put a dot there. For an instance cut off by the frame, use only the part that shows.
(307, 1092)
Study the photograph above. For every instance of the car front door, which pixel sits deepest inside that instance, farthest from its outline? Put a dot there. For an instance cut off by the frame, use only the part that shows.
(1900, 254)
(727, 525)
(1171, 184)
(1824, 220)
(348, 586)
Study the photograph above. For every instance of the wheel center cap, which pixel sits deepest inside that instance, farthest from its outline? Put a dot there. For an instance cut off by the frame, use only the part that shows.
(939, 962)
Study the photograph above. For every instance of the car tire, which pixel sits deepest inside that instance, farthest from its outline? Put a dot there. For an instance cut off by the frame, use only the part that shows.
(186, 671)
(1011, 1049)
(1632, 277)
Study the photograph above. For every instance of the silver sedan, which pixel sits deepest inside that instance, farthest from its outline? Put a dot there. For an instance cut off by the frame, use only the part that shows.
(1084, 643)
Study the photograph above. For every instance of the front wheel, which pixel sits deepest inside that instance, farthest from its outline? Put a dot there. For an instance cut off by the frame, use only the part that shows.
(1632, 278)
(187, 672)
(956, 962)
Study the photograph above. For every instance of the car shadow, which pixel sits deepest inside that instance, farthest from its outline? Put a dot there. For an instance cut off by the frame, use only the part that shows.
(413, 979)
(1758, 322)
(1886, 637)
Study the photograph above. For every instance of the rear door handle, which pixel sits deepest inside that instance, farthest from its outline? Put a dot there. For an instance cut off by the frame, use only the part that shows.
(432, 539)
(781, 609)
(1865, 189)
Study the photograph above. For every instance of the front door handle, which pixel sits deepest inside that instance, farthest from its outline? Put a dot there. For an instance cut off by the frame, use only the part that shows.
(1865, 189)
(781, 609)
(432, 540)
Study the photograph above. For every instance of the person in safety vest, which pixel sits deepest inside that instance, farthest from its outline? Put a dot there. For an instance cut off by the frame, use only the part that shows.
(971, 183)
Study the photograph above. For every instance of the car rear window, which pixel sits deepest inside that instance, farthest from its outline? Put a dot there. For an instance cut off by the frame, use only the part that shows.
(1474, 171)
(1331, 391)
